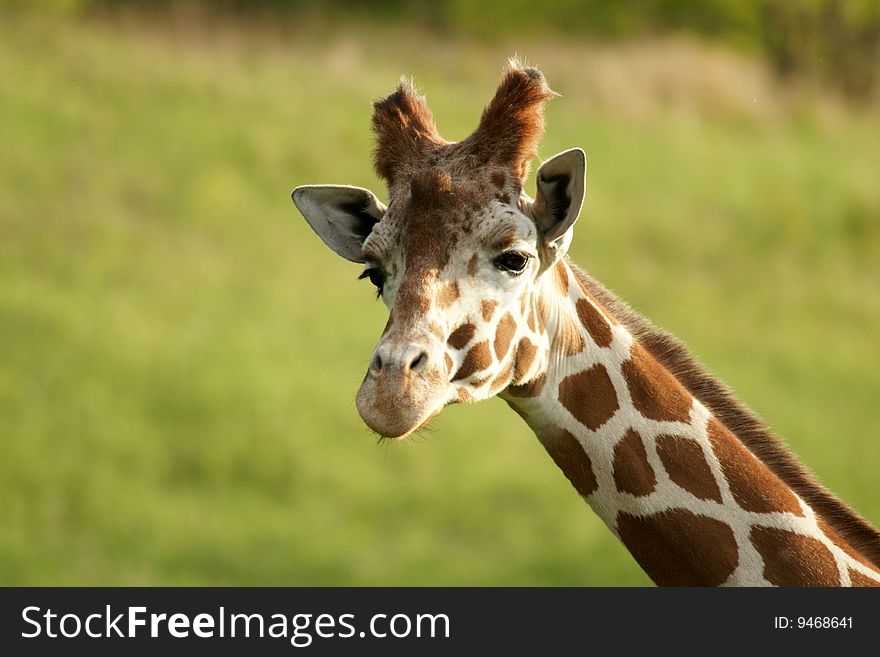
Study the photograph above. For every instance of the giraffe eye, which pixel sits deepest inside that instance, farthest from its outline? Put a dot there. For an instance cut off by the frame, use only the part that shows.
(376, 276)
(512, 261)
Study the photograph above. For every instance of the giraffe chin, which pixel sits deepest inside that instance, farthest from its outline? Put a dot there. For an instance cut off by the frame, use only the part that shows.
(395, 416)
(396, 432)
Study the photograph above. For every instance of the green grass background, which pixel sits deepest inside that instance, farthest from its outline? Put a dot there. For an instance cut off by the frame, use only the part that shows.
(179, 354)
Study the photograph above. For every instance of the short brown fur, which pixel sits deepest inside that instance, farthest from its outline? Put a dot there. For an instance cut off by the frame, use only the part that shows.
(593, 386)
(461, 336)
(504, 335)
(404, 129)
(512, 124)
(478, 358)
(793, 559)
(654, 391)
(652, 540)
(632, 472)
(752, 484)
(525, 354)
(684, 461)
(596, 325)
(569, 456)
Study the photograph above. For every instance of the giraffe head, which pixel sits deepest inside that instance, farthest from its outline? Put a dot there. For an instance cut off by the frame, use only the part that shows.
(459, 253)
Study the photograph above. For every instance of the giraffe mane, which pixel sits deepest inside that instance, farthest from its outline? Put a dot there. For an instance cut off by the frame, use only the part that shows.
(741, 421)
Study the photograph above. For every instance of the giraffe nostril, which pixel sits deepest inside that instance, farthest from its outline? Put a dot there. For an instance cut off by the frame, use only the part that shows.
(377, 363)
(419, 361)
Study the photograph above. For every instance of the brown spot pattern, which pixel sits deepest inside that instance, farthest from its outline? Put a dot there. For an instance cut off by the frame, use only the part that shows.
(504, 335)
(793, 559)
(568, 454)
(531, 389)
(680, 548)
(472, 265)
(857, 579)
(592, 319)
(683, 459)
(539, 323)
(541, 309)
(478, 358)
(656, 394)
(448, 364)
(448, 295)
(461, 336)
(561, 277)
(632, 472)
(525, 354)
(752, 484)
(502, 379)
(589, 396)
(487, 307)
(530, 318)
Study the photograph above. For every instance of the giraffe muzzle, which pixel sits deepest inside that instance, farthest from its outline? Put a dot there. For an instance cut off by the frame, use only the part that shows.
(404, 387)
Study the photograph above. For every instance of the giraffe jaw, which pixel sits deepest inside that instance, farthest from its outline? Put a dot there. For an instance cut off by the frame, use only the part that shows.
(421, 426)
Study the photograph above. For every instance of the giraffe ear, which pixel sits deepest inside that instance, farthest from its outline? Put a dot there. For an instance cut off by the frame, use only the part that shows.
(341, 215)
(561, 182)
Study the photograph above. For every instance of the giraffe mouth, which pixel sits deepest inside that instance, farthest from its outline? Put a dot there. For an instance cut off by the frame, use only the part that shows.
(408, 433)
(397, 412)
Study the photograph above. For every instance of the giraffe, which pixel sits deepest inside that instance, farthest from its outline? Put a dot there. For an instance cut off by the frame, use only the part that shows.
(484, 301)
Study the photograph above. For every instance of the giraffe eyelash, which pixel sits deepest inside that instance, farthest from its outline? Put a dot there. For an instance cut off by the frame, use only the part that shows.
(377, 278)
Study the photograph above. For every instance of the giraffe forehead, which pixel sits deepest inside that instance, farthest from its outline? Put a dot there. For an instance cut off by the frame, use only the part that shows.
(440, 221)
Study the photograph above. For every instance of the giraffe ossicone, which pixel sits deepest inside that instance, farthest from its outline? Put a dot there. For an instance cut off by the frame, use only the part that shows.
(483, 301)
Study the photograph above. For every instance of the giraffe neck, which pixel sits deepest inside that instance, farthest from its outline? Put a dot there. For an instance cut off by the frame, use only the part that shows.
(688, 499)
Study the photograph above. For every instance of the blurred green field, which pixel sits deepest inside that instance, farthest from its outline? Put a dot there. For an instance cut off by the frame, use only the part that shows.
(179, 354)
